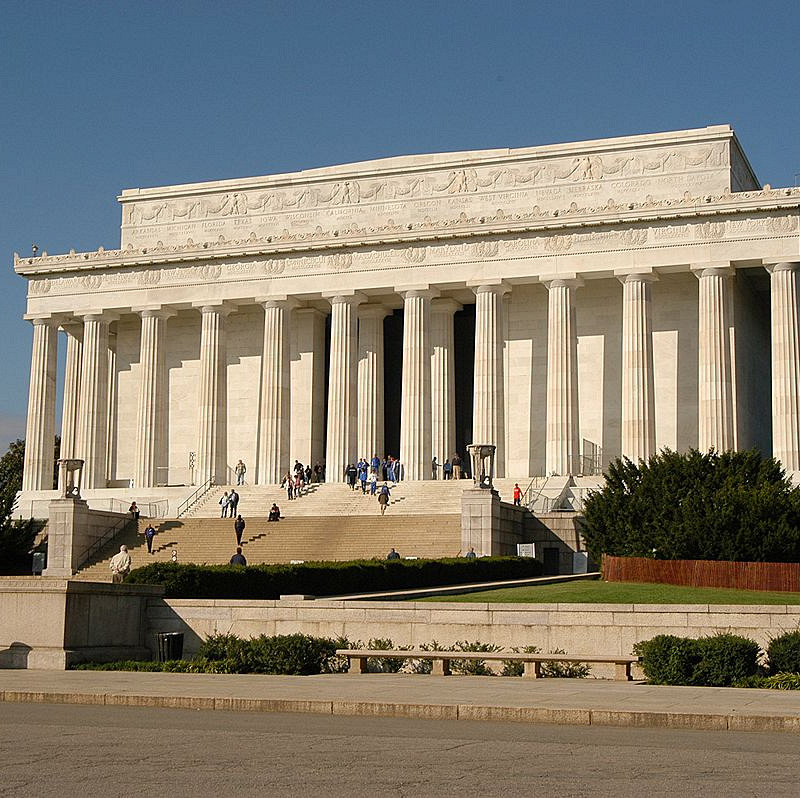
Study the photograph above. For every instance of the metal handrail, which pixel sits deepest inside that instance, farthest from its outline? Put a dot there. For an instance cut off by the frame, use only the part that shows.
(104, 540)
(187, 505)
(532, 503)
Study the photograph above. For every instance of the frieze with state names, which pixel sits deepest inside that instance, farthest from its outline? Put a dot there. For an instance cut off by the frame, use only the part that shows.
(544, 244)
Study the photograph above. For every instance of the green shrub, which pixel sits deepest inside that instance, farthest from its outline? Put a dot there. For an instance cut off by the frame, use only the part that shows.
(783, 653)
(565, 670)
(384, 664)
(187, 580)
(717, 661)
(725, 658)
(472, 667)
(513, 667)
(695, 506)
(425, 665)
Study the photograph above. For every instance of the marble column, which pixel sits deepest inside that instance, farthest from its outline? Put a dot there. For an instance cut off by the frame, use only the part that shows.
(40, 429)
(111, 432)
(273, 438)
(443, 380)
(152, 416)
(415, 395)
(93, 407)
(488, 407)
(370, 380)
(785, 334)
(212, 397)
(561, 441)
(72, 389)
(715, 395)
(638, 415)
(342, 387)
(307, 394)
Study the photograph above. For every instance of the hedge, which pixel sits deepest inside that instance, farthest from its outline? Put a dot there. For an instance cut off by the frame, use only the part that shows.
(326, 578)
(783, 653)
(721, 660)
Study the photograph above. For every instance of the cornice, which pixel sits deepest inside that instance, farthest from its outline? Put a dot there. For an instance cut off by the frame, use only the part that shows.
(461, 227)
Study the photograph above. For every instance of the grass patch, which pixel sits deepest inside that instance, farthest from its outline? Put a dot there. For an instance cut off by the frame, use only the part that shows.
(598, 592)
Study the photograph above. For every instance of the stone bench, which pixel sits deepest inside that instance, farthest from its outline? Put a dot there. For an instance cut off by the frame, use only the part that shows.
(357, 660)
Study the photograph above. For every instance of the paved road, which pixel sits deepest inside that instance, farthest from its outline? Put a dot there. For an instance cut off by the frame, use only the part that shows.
(56, 750)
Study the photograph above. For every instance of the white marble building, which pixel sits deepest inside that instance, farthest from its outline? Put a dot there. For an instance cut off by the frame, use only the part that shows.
(568, 303)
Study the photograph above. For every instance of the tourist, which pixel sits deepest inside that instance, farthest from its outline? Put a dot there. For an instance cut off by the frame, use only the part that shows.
(373, 482)
(351, 472)
(390, 469)
(134, 511)
(375, 463)
(362, 475)
(238, 558)
(383, 497)
(223, 503)
(315, 474)
(434, 469)
(149, 534)
(240, 471)
(238, 527)
(398, 470)
(274, 513)
(120, 565)
(470, 555)
(174, 555)
(447, 469)
(392, 555)
(517, 494)
(456, 461)
(233, 501)
(308, 475)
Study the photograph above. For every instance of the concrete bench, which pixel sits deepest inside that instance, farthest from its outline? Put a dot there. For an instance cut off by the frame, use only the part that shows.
(357, 660)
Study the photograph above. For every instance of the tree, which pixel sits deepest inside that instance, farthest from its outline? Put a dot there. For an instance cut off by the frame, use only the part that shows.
(731, 506)
(16, 537)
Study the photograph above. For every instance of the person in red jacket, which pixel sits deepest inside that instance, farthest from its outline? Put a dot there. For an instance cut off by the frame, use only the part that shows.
(517, 494)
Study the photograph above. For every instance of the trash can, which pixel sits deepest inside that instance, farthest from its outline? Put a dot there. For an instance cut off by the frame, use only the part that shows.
(170, 645)
(38, 564)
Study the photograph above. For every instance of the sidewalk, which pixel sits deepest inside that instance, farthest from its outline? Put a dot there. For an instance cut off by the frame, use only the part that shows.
(560, 701)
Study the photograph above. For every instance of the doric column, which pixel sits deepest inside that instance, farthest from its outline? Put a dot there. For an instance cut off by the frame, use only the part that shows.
(93, 407)
(273, 438)
(40, 430)
(443, 380)
(212, 397)
(488, 410)
(785, 365)
(307, 393)
(638, 416)
(342, 386)
(561, 441)
(370, 380)
(151, 433)
(715, 396)
(72, 389)
(415, 397)
(111, 432)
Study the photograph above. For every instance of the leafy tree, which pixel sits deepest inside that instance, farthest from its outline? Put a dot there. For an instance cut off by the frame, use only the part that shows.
(732, 506)
(16, 536)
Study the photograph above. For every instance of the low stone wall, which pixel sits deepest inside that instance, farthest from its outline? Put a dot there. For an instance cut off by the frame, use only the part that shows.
(52, 623)
(575, 628)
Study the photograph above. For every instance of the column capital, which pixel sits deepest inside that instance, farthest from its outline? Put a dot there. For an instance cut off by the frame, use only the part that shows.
(157, 312)
(636, 276)
(214, 307)
(723, 269)
(280, 301)
(344, 297)
(424, 291)
(781, 266)
(40, 320)
(488, 287)
(373, 311)
(561, 281)
(445, 304)
(98, 315)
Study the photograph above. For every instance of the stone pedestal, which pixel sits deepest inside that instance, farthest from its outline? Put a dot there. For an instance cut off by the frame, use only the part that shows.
(67, 536)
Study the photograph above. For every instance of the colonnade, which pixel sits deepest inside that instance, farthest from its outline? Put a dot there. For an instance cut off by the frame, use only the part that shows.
(355, 411)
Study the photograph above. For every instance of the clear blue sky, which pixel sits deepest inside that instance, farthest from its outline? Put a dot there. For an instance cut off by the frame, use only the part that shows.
(96, 97)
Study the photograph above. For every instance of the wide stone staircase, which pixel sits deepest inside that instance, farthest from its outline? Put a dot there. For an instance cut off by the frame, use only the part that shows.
(328, 522)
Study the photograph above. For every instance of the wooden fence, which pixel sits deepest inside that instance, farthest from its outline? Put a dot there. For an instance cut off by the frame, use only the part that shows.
(783, 576)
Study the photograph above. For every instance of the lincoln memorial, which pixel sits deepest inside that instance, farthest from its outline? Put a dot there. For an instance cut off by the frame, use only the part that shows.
(567, 303)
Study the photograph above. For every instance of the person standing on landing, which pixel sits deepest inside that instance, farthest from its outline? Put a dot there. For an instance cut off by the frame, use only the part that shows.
(240, 471)
(517, 494)
(223, 503)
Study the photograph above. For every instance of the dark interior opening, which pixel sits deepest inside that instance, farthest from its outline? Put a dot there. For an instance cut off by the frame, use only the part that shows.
(392, 380)
(464, 362)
